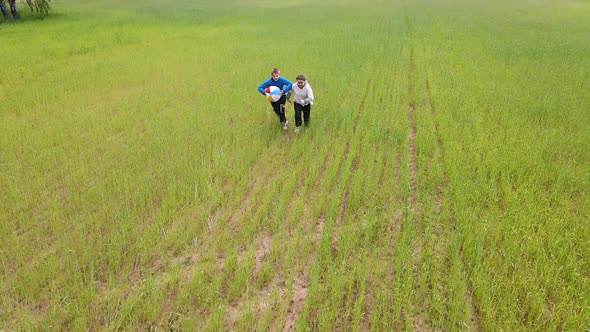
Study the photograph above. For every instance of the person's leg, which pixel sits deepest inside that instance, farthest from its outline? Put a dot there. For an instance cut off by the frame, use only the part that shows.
(3, 9)
(306, 114)
(13, 10)
(298, 109)
(276, 107)
(282, 116)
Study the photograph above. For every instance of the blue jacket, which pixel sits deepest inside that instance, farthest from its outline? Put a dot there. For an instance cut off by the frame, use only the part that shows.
(281, 83)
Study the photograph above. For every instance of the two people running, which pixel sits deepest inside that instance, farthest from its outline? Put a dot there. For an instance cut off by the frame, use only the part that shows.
(303, 97)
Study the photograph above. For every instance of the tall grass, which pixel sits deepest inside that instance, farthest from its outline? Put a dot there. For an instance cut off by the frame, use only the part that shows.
(146, 184)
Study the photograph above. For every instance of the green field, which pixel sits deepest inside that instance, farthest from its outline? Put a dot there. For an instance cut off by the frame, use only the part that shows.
(444, 182)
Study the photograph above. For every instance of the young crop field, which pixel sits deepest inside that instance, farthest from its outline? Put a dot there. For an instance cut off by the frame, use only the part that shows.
(443, 182)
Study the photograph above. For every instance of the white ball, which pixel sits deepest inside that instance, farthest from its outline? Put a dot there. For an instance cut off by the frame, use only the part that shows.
(272, 93)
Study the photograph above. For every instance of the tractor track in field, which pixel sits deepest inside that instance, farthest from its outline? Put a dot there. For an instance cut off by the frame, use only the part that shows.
(355, 162)
(301, 284)
(415, 209)
(263, 249)
(397, 217)
(261, 174)
(346, 192)
(365, 324)
(395, 224)
(413, 168)
(262, 296)
(258, 170)
(470, 300)
(216, 208)
(189, 259)
(256, 166)
(259, 182)
(339, 218)
(263, 242)
(258, 174)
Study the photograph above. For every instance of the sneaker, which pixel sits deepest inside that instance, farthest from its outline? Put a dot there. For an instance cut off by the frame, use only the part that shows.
(297, 129)
(285, 124)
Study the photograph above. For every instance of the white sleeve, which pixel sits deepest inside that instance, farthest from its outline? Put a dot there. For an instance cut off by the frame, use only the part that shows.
(309, 95)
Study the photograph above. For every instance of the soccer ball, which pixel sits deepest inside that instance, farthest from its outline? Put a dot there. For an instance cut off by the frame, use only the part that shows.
(272, 93)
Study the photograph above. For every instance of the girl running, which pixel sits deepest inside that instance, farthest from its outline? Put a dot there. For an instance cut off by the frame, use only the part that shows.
(303, 99)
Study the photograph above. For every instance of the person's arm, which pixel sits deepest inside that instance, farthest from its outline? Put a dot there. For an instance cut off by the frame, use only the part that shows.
(287, 85)
(309, 99)
(289, 96)
(263, 86)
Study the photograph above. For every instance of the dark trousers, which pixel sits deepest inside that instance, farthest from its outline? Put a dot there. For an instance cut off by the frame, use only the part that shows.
(13, 11)
(279, 108)
(306, 110)
(3, 9)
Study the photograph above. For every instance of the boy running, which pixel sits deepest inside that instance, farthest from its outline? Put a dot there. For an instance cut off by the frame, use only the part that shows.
(285, 86)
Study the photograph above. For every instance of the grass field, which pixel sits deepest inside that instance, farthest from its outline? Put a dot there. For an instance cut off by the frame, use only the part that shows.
(444, 182)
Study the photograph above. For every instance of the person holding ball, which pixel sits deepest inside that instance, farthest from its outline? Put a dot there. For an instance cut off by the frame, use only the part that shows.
(285, 86)
(302, 101)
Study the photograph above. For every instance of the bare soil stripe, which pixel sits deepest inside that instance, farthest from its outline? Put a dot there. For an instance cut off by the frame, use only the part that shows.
(345, 194)
(361, 108)
(254, 168)
(278, 284)
(365, 324)
(412, 137)
(397, 217)
(300, 183)
(259, 183)
(355, 162)
(190, 258)
(302, 282)
(261, 174)
(418, 322)
(263, 249)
